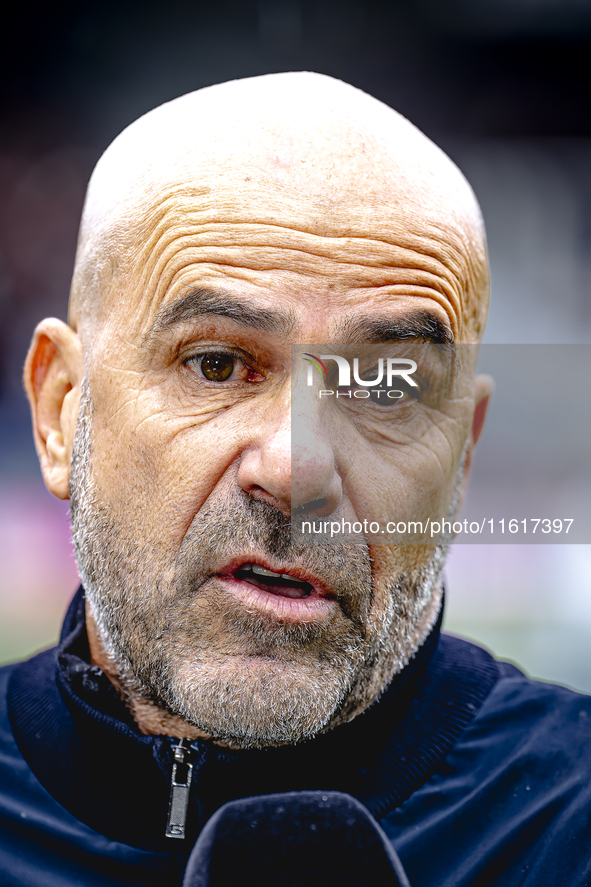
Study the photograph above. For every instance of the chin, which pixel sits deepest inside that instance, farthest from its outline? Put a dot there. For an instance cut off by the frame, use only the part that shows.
(256, 702)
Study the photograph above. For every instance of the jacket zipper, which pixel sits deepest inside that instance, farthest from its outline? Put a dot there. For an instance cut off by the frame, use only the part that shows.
(180, 785)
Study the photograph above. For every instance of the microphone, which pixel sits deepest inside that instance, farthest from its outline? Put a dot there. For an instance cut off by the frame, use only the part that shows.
(294, 839)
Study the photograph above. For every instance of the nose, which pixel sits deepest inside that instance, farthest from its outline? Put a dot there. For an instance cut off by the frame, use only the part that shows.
(292, 466)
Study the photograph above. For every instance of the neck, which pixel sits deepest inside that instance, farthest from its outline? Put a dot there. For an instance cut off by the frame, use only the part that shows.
(152, 719)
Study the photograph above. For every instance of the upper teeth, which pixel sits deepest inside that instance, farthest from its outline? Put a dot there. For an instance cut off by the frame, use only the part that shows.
(262, 571)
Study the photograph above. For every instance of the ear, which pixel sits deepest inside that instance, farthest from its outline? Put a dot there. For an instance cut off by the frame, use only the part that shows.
(483, 388)
(54, 369)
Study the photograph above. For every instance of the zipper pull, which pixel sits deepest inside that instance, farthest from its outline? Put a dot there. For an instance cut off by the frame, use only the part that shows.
(180, 784)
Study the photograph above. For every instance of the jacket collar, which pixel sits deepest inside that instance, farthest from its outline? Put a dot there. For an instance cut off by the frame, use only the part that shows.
(82, 744)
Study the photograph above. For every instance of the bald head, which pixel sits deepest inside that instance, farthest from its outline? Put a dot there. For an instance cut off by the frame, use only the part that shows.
(298, 164)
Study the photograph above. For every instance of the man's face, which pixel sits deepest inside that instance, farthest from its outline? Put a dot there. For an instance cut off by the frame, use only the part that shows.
(219, 232)
(183, 478)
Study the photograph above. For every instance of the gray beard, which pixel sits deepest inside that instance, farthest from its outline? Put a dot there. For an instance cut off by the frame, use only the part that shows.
(180, 641)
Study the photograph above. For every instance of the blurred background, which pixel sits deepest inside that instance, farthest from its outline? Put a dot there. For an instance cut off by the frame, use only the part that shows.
(501, 85)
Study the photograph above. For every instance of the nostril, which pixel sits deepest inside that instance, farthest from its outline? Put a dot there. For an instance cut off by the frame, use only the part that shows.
(317, 506)
(255, 488)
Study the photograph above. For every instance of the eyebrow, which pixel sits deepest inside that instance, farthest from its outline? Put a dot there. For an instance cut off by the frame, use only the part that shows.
(200, 302)
(417, 324)
(365, 329)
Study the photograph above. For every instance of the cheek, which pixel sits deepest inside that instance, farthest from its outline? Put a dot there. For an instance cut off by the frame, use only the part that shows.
(389, 562)
(398, 613)
(157, 469)
(404, 483)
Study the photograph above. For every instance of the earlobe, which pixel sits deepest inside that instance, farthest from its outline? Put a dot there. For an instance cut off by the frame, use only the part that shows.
(53, 375)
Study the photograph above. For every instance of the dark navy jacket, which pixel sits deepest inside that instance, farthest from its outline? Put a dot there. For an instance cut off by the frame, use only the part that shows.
(477, 774)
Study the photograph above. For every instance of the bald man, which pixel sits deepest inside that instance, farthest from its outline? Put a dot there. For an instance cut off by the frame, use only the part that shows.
(276, 282)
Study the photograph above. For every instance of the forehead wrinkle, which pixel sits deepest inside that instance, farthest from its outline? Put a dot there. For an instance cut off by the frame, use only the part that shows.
(169, 253)
(178, 217)
(186, 219)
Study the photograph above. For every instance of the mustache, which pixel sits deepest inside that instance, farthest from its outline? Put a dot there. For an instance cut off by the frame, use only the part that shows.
(252, 519)
(237, 525)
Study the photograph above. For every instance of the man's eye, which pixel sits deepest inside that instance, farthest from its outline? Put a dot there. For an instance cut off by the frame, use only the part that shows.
(217, 367)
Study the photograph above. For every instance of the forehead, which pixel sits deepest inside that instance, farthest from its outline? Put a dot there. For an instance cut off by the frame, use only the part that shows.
(267, 239)
(286, 257)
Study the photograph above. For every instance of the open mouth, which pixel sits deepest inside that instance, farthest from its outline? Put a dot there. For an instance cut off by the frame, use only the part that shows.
(274, 583)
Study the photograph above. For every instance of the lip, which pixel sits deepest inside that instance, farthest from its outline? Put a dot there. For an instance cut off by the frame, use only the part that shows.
(313, 608)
